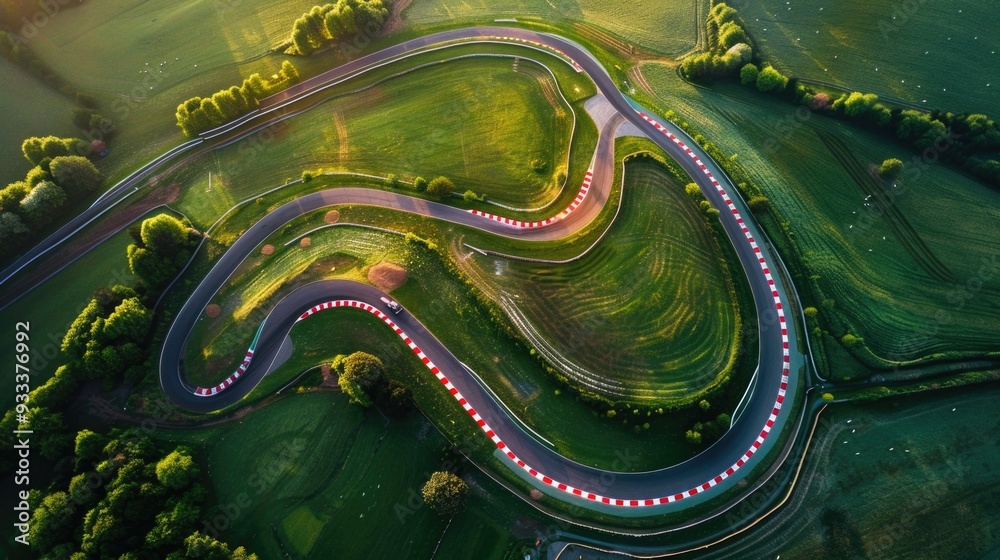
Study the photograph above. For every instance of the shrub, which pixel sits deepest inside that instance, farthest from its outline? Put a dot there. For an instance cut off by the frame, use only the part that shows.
(770, 79)
(890, 168)
(849, 340)
(748, 74)
(445, 493)
(440, 187)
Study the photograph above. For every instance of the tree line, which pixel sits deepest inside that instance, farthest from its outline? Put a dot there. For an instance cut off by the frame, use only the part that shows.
(58, 177)
(121, 496)
(330, 23)
(198, 114)
(109, 339)
(970, 141)
(126, 498)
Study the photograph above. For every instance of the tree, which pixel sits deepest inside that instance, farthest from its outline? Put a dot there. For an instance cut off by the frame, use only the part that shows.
(857, 104)
(12, 195)
(129, 322)
(176, 470)
(440, 187)
(12, 228)
(849, 340)
(52, 522)
(76, 174)
(89, 446)
(704, 405)
(199, 546)
(693, 437)
(420, 184)
(173, 523)
(810, 312)
(770, 79)
(354, 391)
(42, 203)
(890, 168)
(748, 74)
(364, 369)
(730, 33)
(445, 493)
(164, 235)
(290, 73)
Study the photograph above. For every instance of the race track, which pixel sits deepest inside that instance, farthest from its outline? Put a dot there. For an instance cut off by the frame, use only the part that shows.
(712, 471)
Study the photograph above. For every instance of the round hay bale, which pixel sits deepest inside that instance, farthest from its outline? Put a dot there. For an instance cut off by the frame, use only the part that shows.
(267, 250)
(331, 217)
(212, 311)
(536, 494)
(305, 242)
(387, 276)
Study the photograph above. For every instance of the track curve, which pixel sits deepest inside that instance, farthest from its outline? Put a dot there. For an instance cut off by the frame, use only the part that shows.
(712, 471)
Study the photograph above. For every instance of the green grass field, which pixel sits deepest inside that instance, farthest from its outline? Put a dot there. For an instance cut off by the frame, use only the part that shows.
(910, 478)
(665, 26)
(484, 133)
(30, 109)
(114, 50)
(904, 50)
(445, 304)
(52, 306)
(313, 477)
(648, 312)
(912, 283)
(342, 252)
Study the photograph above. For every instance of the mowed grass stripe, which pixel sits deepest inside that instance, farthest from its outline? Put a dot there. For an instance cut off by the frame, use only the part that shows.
(647, 313)
(904, 231)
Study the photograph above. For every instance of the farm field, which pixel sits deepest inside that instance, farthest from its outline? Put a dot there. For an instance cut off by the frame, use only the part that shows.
(664, 26)
(320, 478)
(910, 478)
(488, 139)
(206, 46)
(29, 109)
(910, 285)
(649, 313)
(52, 306)
(447, 307)
(907, 50)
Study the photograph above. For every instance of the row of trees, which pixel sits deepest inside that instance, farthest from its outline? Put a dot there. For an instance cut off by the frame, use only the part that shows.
(126, 499)
(970, 141)
(28, 205)
(729, 46)
(335, 22)
(198, 114)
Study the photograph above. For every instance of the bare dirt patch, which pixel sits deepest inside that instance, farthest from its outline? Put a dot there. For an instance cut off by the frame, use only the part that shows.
(212, 311)
(305, 242)
(331, 217)
(267, 250)
(387, 276)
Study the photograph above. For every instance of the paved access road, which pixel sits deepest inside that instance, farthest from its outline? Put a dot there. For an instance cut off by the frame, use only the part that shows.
(717, 467)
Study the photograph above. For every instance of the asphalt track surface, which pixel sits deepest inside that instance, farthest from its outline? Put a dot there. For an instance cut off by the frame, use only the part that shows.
(697, 475)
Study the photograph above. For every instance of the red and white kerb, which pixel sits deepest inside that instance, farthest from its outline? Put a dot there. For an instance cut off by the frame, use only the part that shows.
(709, 483)
(584, 189)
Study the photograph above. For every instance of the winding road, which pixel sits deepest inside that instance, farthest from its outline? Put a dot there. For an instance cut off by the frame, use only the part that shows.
(714, 470)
